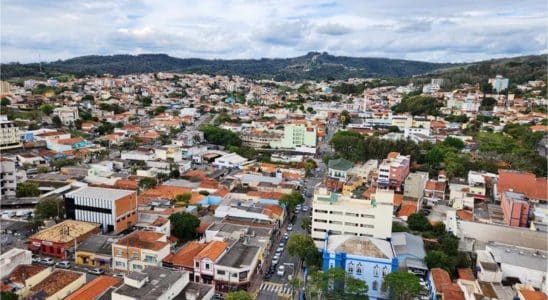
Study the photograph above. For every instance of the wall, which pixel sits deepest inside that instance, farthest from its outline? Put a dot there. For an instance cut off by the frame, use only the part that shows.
(69, 289)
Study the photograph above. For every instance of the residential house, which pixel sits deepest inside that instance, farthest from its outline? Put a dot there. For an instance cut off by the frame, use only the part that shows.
(25, 276)
(151, 283)
(236, 269)
(205, 260)
(95, 251)
(139, 249)
(393, 170)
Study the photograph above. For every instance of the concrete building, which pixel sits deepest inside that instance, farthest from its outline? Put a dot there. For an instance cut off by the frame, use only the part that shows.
(139, 249)
(60, 239)
(338, 168)
(151, 283)
(169, 152)
(414, 185)
(58, 285)
(516, 209)
(8, 182)
(95, 251)
(409, 249)
(365, 258)
(339, 215)
(67, 115)
(393, 170)
(499, 83)
(115, 210)
(297, 137)
(205, 261)
(24, 277)
(230, 161)
(237, 267)
(9, 134)
(10, 259)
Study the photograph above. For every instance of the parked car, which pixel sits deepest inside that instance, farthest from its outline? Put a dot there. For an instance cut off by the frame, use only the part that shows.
(289, 227)
(118, 275)
(36, 259)
(65, 264)
(305, 208)
(281, 271)
(48, 261)
(280, 250)
(96, 271)
(282, 244)
(286, 236)
(275, 261)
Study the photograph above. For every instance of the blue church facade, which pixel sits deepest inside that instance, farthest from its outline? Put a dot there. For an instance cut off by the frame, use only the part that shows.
(367, 259)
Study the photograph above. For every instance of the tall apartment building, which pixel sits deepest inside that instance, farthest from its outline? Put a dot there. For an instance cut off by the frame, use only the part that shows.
(8, 182)
(516, 208)
(298, 137)
(499, 83)
(9, 137)
(115, 210)
(342, 215)
(393, 170)
(139, 249)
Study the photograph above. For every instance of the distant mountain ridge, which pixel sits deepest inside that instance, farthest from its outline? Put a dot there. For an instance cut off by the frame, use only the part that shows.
(314, 65)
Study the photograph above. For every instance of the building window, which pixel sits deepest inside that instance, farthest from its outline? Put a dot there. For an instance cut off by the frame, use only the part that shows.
(376, 271)
(119, 252)
(375, 285)
(120, 264)
(207, 266)
(385, 271)
(331, 265)
(197, 264)
(137, 267)
(350, 267)
(220, 272)
(359, 269)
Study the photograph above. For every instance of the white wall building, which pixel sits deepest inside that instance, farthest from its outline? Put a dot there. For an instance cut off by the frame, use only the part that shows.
(8, 182)
(9, 134)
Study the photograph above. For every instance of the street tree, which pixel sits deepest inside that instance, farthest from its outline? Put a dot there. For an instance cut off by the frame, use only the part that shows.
(238, 295)
(184, 198)
(184, 226)
(309, 165)
(419, 222)
(147, 183)
(335, 283)
(402, 285)
(302, 246)
(51, 207)
(27, 189)
(291, 200)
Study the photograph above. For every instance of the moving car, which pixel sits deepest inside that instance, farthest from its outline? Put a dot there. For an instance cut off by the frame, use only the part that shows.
(281, 271)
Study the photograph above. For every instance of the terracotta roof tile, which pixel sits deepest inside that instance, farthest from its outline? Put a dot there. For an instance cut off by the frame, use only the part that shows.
(57, 280)
(265, 195)
(213, 250)
(24, 272)
(408, 208)
(441, 279)
(523, 182)
(185, 256)
(533, 295)
(94, 288)
(143, 240)
(466, 274)
(465, 215)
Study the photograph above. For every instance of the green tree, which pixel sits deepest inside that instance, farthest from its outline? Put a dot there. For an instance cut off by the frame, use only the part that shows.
(449, 244)
(402, 285)
(184, 226)
(454, 142)
(335, 284)
(8, 296)
(418, 105)
(27, 189)
(47, 109)
(419, 222)
(438, 259)
(306, 223)
(147, 183)
(309, 165)
(302, 246)
(5, 102)
(220, 136)
(399, 227)
(184, 198)
(291, 200)
(57, 121)
(51, 207)
(238, 295)
(344, 118)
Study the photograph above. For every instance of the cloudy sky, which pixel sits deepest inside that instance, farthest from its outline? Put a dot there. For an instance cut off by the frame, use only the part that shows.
(430, 30)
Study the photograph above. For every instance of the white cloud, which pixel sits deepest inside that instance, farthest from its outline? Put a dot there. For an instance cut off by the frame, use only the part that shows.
(422, 30)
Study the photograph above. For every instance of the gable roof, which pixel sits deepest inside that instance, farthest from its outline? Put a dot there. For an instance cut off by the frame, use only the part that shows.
(94, 288)
(340, 164)
(523, 182)
(185, 256)
(213, 250)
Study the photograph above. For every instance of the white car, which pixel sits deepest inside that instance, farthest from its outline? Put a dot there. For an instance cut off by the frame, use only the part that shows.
(282, 244)
(305, 208)
(275, 260)
(48, 261)
(281, 271)
(286, 236)
(289, 227)
(65, 264)
(280, 250)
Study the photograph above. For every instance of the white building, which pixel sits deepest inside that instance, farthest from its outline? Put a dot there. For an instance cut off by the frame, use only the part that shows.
(67, 114)
(8, 182)
(138, 155)
(169, 152)
(9, 134)
(341, 215)
(230, 160)
(499, 83)
(152, 283)
(12, 258)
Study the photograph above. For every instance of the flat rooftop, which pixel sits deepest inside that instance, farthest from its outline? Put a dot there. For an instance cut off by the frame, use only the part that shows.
(159, 281)
(65, 231)
(100, 193)
(239, 256)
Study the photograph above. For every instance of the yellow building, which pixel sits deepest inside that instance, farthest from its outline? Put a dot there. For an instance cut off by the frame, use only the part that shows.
(95, 251)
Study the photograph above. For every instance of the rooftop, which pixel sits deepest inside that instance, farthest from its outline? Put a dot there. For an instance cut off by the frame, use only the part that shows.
(56, 281)
(340, 164)
(213, 250)
(159, 281)
(65, 231)
(144, 240)
(100, 244)
(24, 272)
(197, 290)
(239, 256)
(362, 246)
(99, 193)
(441, 279)
(95, 288)
(185, 256)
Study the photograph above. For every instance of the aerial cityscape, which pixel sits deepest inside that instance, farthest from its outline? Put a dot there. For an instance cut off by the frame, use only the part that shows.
(273, 150)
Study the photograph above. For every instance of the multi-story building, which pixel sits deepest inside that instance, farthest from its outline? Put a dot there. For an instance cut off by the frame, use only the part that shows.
(8, 182)
(516, 209)
(476, 184)
(434, 191)
(67, 115)
(338, 168)
(414, 185)
(205, 260)
(335, 214)
(365, 258)
(236, 268)
(499, 83)
(9, 134)
(154, 283)
(297, 137)
(393, 170)
(115, 210)
(139, 249)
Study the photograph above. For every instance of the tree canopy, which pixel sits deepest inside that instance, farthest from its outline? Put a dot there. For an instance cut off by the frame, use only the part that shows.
(184, 226)
(302, 246)
(238, 295)
(335, 283)
(220, 136)
(27, 189)
(418, 105)
(291, 200)
(402, 285)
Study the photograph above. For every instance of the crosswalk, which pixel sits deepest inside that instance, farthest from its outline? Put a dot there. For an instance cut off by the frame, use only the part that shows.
(283, 290)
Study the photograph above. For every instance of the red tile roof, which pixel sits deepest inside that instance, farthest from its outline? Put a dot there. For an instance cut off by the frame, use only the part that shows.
(523, 182)
(56, 281)
(465, 215)
(213, 250)
(185, 256)
(466, 274)
(94, 288)
(533, 295)
(143, 240)
(265, 195)
(24, 272)
(408, 208)
(441, 279)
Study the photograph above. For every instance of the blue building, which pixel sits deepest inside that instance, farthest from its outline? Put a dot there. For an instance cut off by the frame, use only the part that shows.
(365, 258)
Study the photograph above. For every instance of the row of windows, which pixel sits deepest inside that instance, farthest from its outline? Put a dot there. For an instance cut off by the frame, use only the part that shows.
(348, 214)
(359, 269)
